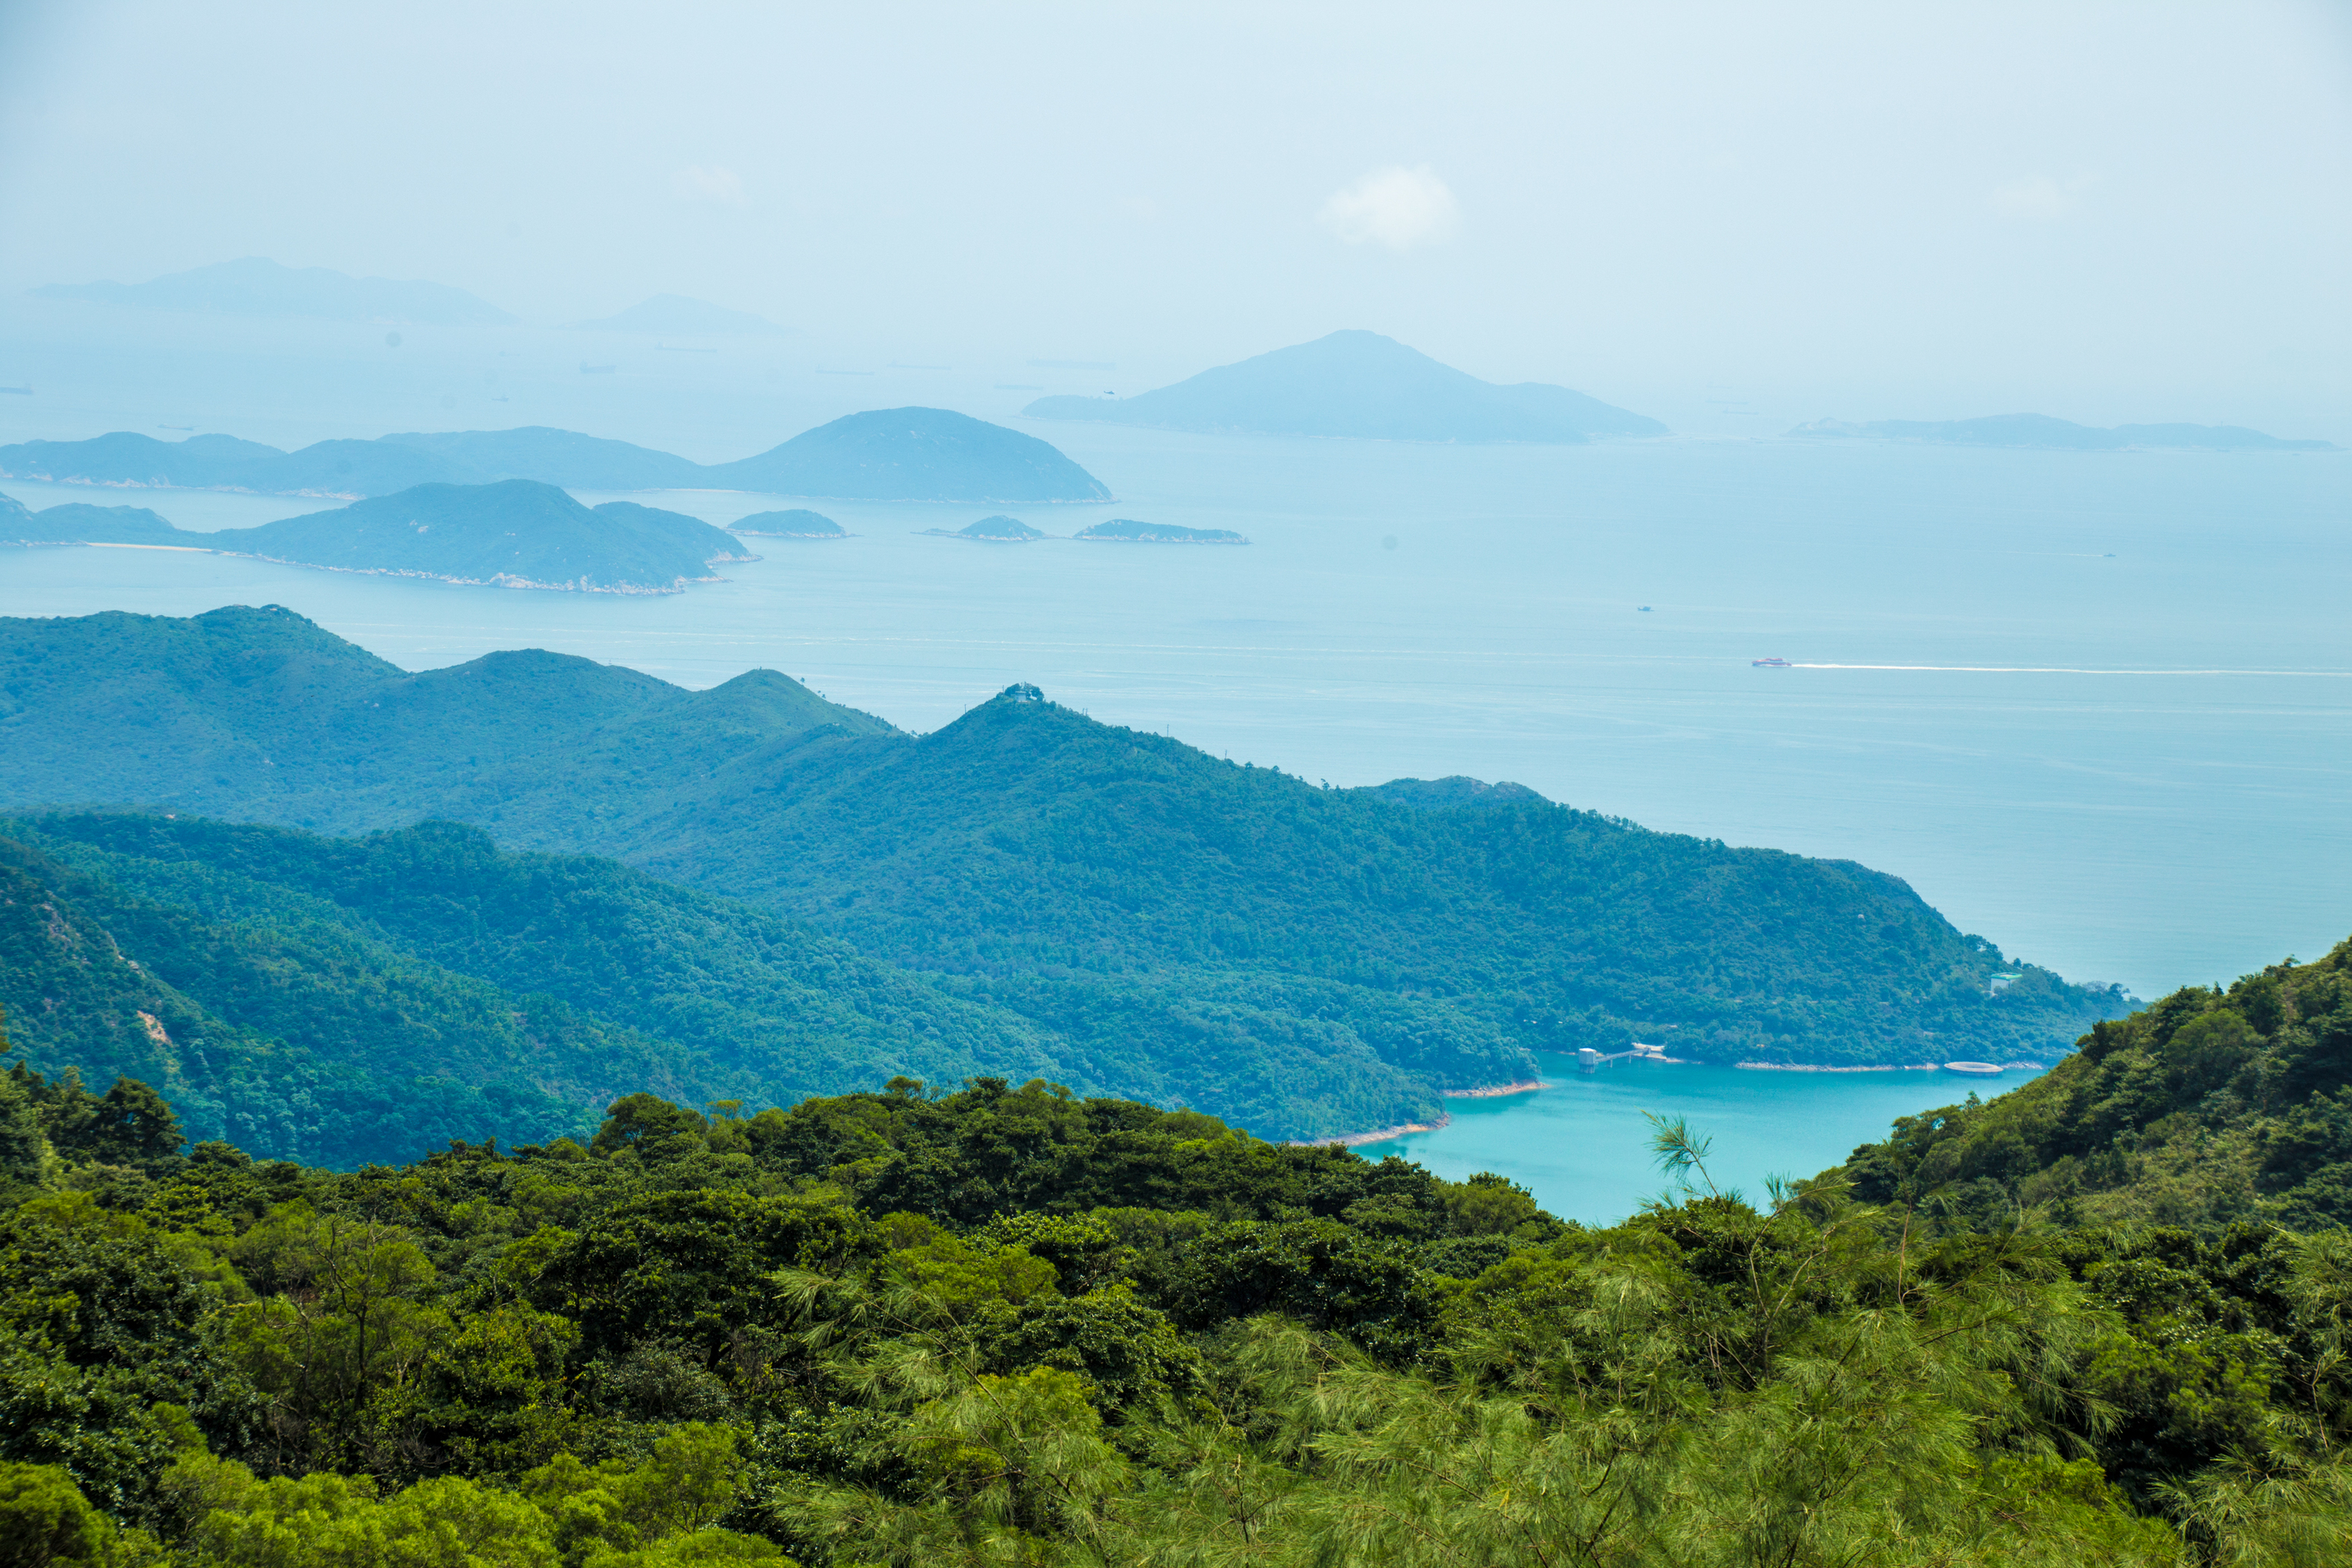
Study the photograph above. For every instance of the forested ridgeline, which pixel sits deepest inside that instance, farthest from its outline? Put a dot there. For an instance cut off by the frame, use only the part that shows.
(1105, 884)
(336, 1001)
(2210, 1106)
(1009, 1326)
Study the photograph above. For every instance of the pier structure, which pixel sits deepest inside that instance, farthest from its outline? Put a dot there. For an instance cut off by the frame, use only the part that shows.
(1588, 1059)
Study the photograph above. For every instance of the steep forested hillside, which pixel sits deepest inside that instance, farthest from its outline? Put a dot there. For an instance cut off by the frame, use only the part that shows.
(2209, 1108)
(1100, 881)
(305, 992)
(1012, 1327)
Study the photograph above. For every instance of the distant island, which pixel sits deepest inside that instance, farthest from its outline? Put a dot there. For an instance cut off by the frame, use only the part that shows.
(1127, 531)
(1358, 383)
(2041, 430)
(796, 523)
(258, 286)
(993, 529)
(894, 453)
(913, 454)
(78, 522)
(676, 314)
(513, 534)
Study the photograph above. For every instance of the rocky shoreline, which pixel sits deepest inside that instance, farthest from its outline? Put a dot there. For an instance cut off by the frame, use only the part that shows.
(1352, 1140)
(502, 580)
(1495, 1091)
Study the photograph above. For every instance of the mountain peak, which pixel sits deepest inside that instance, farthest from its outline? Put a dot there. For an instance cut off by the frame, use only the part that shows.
(1355, 383)
(915, 454)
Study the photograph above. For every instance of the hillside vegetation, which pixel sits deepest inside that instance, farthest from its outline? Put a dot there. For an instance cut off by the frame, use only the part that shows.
(1119, 889)
(2208, 1108)
(335, 1000)
(1012, 1326)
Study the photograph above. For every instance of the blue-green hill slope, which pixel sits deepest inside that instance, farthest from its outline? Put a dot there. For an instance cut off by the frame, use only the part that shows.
(1358, 383)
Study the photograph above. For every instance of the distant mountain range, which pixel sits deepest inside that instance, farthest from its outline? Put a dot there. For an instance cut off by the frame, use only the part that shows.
(678, 316)
(1161, 923)
(2042, 430)
(1360, 385)
(892, 454)
(258, 287)
(514, 534)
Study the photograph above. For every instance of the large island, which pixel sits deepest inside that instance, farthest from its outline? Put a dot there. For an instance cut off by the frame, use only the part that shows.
(1360, 385)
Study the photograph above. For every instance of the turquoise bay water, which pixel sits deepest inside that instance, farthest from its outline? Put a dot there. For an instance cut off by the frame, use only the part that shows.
(2095, 706)
(1581, 1144)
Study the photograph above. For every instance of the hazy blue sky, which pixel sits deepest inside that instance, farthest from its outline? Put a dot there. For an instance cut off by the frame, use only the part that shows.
(2109, 211)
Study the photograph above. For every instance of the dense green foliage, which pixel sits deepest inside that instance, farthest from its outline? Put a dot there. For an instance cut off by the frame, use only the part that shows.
(2208, 1108)
(1303, 961)
(1011, 1326)
(339, 1001)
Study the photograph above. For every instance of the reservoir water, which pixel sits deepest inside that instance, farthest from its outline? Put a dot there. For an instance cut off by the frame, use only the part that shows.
(2095, 706)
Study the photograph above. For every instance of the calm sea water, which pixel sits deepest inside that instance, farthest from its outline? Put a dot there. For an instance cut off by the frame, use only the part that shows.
(2097, 708)
(1581, 1144)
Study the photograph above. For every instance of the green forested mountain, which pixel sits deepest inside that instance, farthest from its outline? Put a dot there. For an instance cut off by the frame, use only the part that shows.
(2208, 1108)
(1107, 885)
(311, 987)
(1011, 1326)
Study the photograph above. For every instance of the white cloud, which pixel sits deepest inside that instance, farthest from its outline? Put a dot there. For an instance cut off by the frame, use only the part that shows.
(2039, 197)
(696, 183)
(1396, 207)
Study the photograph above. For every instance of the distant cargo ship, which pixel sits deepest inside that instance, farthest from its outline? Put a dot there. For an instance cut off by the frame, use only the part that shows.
(1770, 663)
